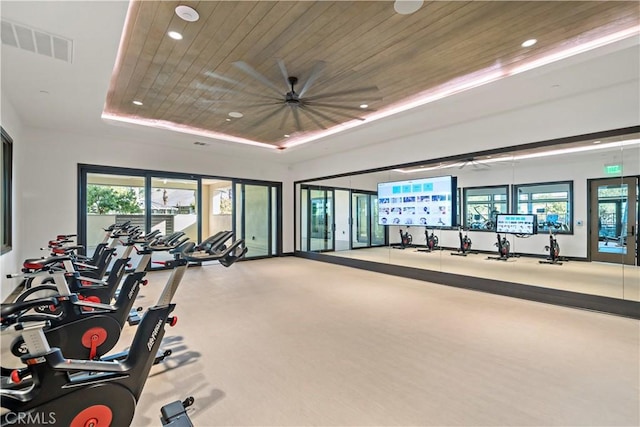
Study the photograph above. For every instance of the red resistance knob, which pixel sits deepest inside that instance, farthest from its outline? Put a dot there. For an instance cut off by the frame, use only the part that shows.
(173, 320)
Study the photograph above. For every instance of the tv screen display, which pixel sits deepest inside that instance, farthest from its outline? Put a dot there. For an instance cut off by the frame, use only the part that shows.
(517, 224)
(423, 202)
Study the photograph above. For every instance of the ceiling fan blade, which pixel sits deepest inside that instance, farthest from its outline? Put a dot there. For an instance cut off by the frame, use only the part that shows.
(256, 75)
(296, 116)
(284, 118)
(285, 74)
(340, 113)
(339, 107)
(315, 73)
(218, 76)
(344, 92)
(269, 116)
(320, 114)
(210, 88)
(313, 119)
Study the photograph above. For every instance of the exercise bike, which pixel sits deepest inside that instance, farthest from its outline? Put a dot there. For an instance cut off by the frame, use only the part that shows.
(85, 329)
(465, 244)
(504, 248)
(431, 241)
(405, 239)
(553, 248)
(72, 392)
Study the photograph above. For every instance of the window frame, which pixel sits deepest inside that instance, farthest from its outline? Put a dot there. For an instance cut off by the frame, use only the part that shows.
(465, 195)
(7, 192)
(541, 229)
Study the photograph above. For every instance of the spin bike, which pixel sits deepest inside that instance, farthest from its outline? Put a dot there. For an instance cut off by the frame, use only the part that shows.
(405, 239)
(72, 392)
(431, 241)
(85, 329)
(465, 244)
(553, 248)
(504, 248)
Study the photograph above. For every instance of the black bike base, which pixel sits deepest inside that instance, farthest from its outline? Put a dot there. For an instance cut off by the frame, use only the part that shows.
(548, 261)
(496, 258)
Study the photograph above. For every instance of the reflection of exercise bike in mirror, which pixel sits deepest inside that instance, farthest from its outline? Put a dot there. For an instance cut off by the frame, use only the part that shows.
(504, 248)
(405, 239)
(553, 247)
(431, 241)
(465, 244)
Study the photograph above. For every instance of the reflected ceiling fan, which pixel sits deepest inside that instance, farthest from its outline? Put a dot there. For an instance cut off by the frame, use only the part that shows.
(478, 165)
(484, 164)
(290, 101)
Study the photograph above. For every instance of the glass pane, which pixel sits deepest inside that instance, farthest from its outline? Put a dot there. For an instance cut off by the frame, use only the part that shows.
(341, 220)
(304, 219)
(377, 230)
(612, 218)
(321, 222)
(256, 220)
(360, 220)
(111, 199)
(274, 220)
(239, 212)
(174, 209)
(551, 204)
(482, 205)
(217, 206)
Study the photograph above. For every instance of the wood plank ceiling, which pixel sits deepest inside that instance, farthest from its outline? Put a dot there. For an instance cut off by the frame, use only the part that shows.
(194, 82)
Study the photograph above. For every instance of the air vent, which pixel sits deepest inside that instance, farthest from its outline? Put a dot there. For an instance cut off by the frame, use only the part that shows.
(36, 41)
(200, 143)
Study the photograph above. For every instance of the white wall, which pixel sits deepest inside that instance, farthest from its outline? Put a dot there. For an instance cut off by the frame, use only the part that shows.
(10, 261)
(46, 169)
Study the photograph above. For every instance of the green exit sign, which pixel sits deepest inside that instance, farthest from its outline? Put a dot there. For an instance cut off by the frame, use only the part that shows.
(613, 169)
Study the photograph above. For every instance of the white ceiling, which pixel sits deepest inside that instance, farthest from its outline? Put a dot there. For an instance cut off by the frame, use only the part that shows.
(77, 91)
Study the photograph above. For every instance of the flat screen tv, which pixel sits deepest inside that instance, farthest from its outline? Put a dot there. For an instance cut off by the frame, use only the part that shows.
(422, 202)
(517, 224)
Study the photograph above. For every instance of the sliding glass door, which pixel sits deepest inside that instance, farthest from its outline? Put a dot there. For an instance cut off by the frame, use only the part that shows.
(256, 218)
(172, 202)
(366, 231)
(320, 220)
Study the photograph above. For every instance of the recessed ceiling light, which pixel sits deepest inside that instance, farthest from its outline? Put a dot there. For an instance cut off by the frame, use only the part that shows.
(286, 135)
(597, 142)
(175, 35)
(364, 105)
(236, 114)
(137, 102)
(228, 120)
(407, 7)
(529, 43)
(187, 13)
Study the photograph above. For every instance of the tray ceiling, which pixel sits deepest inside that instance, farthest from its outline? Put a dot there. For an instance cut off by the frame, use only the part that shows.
(359, 52)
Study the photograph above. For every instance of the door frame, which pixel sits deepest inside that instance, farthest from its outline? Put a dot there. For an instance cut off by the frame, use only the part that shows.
(592, 217)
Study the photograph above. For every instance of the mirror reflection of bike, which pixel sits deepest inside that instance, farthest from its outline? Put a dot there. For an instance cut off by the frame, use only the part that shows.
(405, 239)
(553, 248)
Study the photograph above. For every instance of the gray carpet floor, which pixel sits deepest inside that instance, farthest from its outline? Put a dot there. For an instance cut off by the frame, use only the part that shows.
(293, 342)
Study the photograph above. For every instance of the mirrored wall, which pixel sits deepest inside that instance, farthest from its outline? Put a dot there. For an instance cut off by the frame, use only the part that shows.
(582, 192)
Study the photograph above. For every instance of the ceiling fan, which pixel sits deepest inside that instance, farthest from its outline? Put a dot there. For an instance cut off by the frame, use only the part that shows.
(291, 101)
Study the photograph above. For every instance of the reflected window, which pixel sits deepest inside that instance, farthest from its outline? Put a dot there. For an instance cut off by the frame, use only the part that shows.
(551, 202)
(482, 205)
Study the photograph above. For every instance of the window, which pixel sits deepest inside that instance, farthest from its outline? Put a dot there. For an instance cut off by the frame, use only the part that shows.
(482, 205)
(551, 202)
(7, 178)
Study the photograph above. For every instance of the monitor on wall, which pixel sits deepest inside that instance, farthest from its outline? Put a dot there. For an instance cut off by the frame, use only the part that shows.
(423, 202)
(517, 223)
